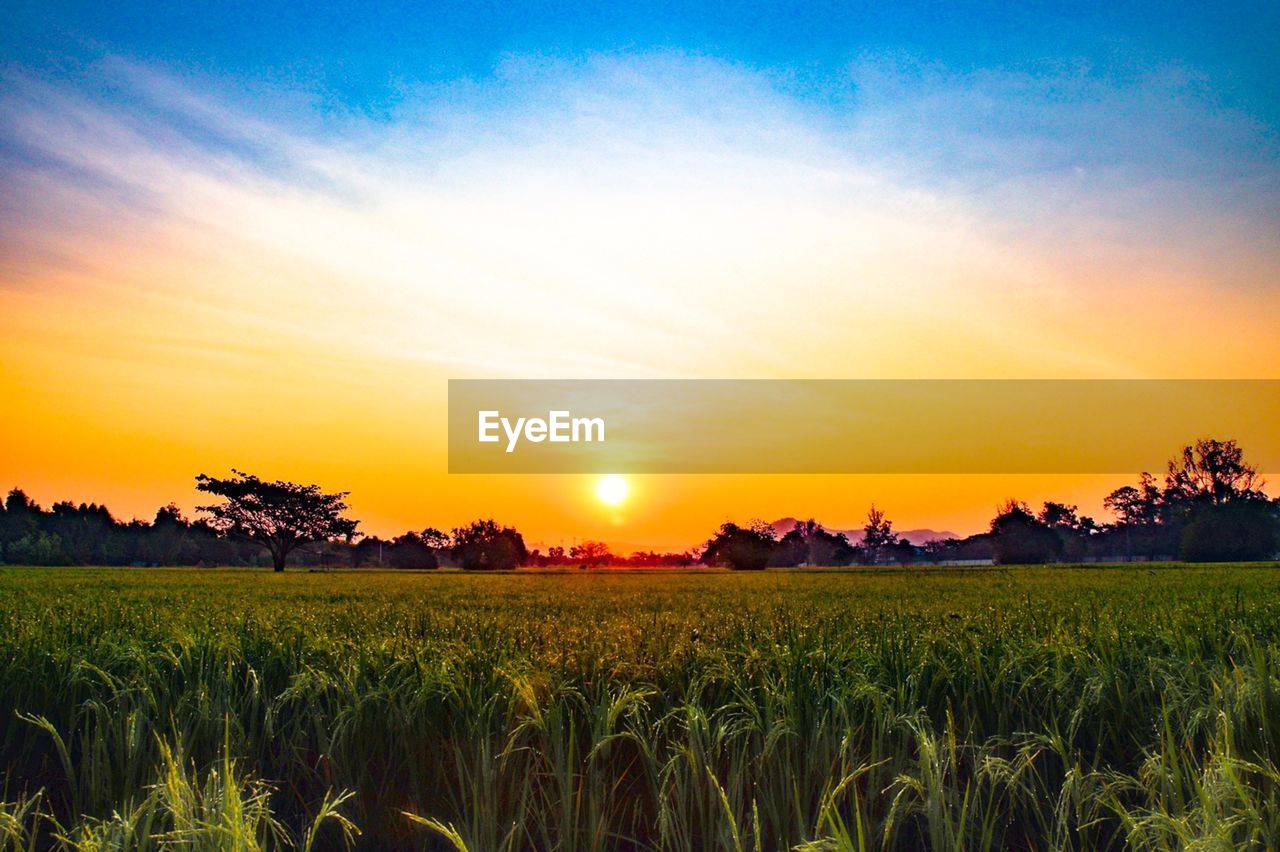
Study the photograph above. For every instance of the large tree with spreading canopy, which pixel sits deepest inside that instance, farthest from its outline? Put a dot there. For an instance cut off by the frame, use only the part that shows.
(280, 516)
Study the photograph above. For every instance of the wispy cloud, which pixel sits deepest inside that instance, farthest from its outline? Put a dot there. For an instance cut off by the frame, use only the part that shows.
(647, 215)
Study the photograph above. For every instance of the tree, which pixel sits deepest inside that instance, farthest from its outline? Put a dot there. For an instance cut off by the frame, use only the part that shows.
(37, 548)
(169, 536)
(411, 551)
(88, 533)
(937, 549)
(1208, 473)
(876, 535)
(485, 546)
(1072, 529)
(1239, 531)
(434, 539)
(810, 543)
(902, 552)
(1138, 506)
(1060, 516)
(592, 554)
(748, 548)
(20, 519)
(1211, 471)
(791, 550)
(278, 516)
(415, 550)
(1019, 537)
(369, 549)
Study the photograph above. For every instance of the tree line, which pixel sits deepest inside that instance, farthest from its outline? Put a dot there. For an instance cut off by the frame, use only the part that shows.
(254, 522)
(1210, 506)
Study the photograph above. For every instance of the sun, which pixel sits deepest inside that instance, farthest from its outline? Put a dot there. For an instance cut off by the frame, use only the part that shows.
(612, 489)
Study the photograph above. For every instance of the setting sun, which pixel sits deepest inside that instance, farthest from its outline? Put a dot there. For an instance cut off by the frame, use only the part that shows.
(612, 489)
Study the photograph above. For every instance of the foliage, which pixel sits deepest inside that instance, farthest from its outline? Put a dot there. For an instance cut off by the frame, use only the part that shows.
(877, 535)
(869, 709)
(411, 550)
(749, 548)
(1019, 537)
(1212, 507)
(485, 546)
(279, 516)
(808, 543)
(590, 554)
(1211, 471)
(1231, 532)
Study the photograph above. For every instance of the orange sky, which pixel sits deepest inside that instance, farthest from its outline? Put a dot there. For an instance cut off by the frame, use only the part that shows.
(302, 321)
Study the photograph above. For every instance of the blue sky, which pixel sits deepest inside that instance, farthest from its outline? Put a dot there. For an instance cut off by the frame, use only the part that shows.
(1122, 144)
(361, 54)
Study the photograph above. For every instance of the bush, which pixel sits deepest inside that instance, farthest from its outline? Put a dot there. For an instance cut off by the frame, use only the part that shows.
(409, 551)
(1240, 531)
(1019, 538)
(37, 549)
(486, 546)
(741, 548)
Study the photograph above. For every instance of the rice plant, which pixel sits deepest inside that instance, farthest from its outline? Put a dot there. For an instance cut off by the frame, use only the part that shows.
(1036, 708)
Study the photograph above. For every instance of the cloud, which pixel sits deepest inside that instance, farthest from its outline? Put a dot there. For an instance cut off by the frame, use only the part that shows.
(636, 215)
(1149, 151)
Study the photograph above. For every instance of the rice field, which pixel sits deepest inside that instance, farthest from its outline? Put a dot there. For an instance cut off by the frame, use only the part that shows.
(992, 708)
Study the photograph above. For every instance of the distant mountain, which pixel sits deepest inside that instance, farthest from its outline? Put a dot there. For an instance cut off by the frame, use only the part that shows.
(782, 526)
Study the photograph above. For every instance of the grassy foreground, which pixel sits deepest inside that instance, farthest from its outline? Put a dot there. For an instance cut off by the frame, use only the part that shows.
(1038, 708)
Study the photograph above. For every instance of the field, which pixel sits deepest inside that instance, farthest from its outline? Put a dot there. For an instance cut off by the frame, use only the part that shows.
(1031, 708)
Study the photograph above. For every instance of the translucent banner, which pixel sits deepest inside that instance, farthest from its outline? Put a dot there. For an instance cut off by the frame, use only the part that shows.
(851, 426)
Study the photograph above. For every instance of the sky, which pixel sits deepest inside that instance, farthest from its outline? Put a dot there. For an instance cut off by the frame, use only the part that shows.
(265, 235)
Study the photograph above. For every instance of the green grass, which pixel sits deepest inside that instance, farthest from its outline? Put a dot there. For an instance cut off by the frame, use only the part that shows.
(1036, 708)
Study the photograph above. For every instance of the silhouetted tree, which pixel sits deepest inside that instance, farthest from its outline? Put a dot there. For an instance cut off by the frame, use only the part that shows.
(1135, 506)
(902, 552)
(21, 519)
(278, 516)
(1141, 517)
(434, 539)
(411, 550)
(485, 546)
(1019, 537)
(877, 535)
(1238, 531)
(170, 538)
(1211, 471)
(975, 548)
(591, 554)
(810, 543)
(937, 549)
(748, 548)
(1213, 498)
(1072, 529)
(653, 559)
(23, 540)
(791, 550)
(369, 550)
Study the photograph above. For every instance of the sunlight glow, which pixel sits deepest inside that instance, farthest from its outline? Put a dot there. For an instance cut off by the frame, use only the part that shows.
(612, 489)
(198, 270)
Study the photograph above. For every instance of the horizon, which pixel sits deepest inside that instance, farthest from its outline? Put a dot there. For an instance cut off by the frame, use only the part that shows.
(624, 547)
(617, 548)
(780, 524)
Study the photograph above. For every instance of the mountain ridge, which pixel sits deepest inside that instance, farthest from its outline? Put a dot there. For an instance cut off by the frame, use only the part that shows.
(919, 536)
